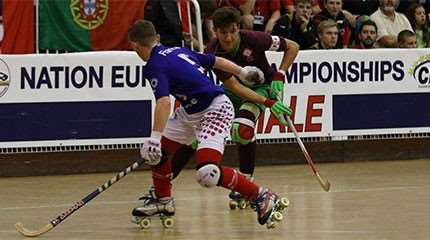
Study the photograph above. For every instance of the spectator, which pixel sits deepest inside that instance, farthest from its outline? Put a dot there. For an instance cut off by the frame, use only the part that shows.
(298, 26)
(407, 39)
(419, 21)
(333, 10)
(289, 6)
(266, 13)
(328, 34)
(366, 35)
(390, 23)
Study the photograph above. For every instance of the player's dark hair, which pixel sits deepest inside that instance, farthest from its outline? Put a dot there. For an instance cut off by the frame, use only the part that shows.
(225, 16)
(142, 32)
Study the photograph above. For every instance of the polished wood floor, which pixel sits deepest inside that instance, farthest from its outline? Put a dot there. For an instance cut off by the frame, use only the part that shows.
(368, 200)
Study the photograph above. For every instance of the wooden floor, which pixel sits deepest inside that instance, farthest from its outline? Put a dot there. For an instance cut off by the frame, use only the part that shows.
(368, 200)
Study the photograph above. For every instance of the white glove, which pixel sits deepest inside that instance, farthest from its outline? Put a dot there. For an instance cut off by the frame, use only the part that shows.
(151, 149)
(251, 76)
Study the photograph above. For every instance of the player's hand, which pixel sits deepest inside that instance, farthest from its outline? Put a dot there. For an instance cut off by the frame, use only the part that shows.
(279, 110)
(151, 149)
(277, 86)
(251, 76)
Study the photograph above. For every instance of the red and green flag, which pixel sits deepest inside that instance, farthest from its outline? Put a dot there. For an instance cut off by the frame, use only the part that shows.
(84, 25)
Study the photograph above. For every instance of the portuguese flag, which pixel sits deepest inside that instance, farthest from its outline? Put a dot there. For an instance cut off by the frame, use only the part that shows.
(84, 25)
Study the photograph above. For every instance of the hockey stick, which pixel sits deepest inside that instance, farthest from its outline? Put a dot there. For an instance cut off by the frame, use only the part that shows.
(325, 184)
(34, 233)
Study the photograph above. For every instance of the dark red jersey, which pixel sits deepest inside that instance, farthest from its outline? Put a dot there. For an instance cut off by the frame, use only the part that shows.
(251, 52)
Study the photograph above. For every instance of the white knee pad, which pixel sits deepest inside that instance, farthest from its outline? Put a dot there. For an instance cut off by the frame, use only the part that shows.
(208, 175)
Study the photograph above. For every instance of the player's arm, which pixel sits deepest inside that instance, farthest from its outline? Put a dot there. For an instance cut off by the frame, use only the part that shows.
(290, 52)
(276, 107)
(161, 114)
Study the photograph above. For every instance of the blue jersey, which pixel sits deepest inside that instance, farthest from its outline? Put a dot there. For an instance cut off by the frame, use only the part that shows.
(181, 73)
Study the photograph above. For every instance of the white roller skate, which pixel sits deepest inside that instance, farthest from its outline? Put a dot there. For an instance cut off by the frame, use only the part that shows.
(270, 207)
(152, 206)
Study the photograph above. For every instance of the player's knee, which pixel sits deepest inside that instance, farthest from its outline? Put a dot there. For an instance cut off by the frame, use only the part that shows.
(208, 175)
(242, 132)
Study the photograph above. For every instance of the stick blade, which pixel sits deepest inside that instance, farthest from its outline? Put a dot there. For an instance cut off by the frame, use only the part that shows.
(32, 233)
(325, 184)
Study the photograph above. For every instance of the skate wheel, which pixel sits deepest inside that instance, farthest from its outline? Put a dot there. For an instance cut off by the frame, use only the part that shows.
(145, 223)
(232, 204)
(242, 204)
(277, 216)
(167, 222)
(283, 203)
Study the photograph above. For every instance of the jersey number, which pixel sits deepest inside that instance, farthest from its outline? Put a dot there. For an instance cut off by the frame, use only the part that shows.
(190, 61)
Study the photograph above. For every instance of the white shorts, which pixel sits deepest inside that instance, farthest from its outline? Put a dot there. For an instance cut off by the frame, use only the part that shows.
(210, 127)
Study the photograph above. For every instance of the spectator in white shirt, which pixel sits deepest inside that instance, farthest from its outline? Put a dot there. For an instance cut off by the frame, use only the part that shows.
(390, 23)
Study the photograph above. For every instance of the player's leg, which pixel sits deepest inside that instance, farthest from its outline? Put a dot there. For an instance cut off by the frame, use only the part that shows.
(211, 133)
(159, 201)
(243, 134)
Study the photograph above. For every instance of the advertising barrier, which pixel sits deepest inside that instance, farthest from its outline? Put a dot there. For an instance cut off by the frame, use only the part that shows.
(101, 98)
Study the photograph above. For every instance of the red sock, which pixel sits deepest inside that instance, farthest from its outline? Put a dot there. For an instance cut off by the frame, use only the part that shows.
(235, 181)
(162, 174)
(161, 177)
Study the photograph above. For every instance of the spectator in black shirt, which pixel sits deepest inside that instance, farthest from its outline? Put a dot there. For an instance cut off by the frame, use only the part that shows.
(298, 26)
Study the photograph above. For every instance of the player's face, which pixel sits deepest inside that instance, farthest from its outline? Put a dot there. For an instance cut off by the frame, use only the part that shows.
(140, 50)
(228, 37)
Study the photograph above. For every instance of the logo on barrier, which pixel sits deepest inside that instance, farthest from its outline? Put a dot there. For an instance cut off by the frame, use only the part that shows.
(421, 71)
(89, 14)
(4, 78)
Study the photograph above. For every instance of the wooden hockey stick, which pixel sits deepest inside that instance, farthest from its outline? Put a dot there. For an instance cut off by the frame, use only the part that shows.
(34, 233)
(325, 184)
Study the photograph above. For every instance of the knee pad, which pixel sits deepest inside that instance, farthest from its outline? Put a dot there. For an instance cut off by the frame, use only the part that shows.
(242, 131)
(208, 175)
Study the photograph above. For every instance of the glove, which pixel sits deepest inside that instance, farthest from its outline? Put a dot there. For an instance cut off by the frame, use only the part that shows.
(151, 149)
(251, 76)
(277, 86)
(279, 110)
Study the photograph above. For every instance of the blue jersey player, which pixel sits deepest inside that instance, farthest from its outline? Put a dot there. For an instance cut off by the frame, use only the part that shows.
(205, 115)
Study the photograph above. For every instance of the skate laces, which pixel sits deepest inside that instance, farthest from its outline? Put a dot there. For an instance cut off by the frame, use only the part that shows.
(263, 201)
(149, 197)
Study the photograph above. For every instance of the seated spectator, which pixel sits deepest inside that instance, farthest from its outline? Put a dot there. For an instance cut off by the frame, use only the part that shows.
(367, 35)
(328, 34)
(419, 21)
(288, 6)
(390, 23)
(407, 39)
(333, 10)
(266, 13)
(298, 26)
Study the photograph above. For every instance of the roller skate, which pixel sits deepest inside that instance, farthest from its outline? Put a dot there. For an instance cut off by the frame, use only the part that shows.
(238, 201)
(269, 207)
(152, 206)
